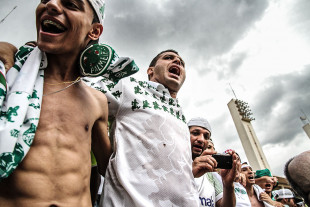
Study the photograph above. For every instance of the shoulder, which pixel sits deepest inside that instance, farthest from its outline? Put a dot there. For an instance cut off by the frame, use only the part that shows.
(95, 99)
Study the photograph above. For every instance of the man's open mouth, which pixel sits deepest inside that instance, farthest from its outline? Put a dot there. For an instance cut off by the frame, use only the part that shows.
(268, 185)
(52, 27)
(198, 147)
(251, 177)
(174, 70)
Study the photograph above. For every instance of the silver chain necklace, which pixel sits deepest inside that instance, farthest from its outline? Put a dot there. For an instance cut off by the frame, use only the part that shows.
(63, 88)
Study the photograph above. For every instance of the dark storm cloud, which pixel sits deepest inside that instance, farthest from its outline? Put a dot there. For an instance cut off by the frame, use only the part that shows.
(278, 106)
(199, 29)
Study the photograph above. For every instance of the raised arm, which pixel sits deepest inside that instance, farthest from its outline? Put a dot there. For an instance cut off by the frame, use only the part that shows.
(228, 177)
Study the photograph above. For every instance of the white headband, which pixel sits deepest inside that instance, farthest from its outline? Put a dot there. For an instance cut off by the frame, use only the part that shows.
(245, 165)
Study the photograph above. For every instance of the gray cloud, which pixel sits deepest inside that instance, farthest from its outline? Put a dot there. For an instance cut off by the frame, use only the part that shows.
(200, 29)
(278, 106)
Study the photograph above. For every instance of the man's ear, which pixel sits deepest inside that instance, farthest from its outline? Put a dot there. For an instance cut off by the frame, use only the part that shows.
(150, 72)
(96, 31)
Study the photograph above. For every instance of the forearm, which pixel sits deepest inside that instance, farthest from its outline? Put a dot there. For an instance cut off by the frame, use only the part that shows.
(229, 199)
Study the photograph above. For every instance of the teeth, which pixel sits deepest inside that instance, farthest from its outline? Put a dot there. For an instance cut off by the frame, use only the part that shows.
(47, 22)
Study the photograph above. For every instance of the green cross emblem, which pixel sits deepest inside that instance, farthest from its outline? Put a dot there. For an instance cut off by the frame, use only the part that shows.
(156, 106)
(146, 104)
(135, 105)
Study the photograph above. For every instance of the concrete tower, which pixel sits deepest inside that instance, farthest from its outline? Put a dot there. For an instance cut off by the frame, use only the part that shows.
(306, 126)
(241, 115)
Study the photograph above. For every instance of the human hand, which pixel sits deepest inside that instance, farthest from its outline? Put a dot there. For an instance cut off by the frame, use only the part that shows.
(263, 196)
(204, 163)
(229, 175)
(7, 52)
(31, 43)
(242, 179)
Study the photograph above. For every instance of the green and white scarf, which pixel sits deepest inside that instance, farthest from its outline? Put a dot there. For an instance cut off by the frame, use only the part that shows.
(21, 94)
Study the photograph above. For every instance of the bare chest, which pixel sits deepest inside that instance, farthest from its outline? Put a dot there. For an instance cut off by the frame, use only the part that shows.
(67, 114)
(255, 202)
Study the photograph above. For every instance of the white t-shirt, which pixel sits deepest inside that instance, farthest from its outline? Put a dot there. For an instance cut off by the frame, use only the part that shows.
(151, 164)
(210, 189)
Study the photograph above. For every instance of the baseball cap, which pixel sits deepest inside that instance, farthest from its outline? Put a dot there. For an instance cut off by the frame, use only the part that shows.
(201, 122)
(284, 193)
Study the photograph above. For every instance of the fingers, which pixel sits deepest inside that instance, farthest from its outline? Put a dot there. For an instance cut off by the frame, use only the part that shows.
(208, 152)
(205, 162)
(208, 161)
(31, 43)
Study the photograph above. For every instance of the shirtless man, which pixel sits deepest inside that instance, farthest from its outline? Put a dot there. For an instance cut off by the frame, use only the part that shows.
(252, 189)
(73, 120)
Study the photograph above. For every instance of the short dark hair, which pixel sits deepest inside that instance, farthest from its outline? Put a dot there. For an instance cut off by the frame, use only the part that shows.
(154, 61)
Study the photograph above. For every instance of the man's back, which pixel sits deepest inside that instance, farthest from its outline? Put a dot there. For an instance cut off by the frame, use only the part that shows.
(56, 170)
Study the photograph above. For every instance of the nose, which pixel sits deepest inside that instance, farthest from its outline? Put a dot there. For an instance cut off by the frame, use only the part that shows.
(53, 7)
(200, 138)
(177, 61)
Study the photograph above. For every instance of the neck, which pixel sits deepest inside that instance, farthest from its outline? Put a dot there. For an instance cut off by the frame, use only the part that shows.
(61, 67)
(249, 189)
(173, 94)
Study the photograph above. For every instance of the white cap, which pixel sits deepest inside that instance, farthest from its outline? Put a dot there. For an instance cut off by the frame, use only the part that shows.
(284, 193)
(201, 122)
(98, 6)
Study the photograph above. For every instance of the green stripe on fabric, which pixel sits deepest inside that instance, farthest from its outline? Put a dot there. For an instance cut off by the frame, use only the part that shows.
(2, 80)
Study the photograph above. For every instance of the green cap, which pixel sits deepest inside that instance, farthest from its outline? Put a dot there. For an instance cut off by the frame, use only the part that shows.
(261, 173)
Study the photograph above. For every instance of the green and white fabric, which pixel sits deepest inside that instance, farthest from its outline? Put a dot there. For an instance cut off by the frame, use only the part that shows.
(210, 189)
(151, 164)
(21, 92)
(20, 101)
(242, 198)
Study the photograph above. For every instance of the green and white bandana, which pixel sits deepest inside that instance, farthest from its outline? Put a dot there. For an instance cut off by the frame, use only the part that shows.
(98, 6)
(21, 94)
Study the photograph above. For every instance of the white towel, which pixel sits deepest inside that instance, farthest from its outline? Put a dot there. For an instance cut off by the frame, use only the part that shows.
(20, 101)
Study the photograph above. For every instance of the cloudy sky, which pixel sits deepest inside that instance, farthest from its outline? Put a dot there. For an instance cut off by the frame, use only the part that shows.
(259, 47)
